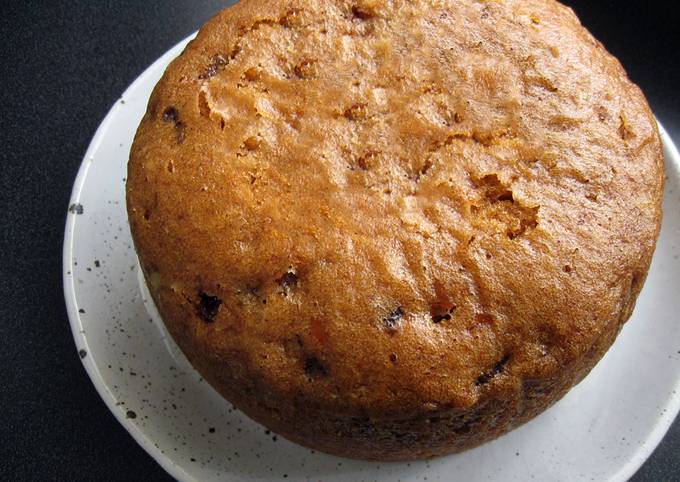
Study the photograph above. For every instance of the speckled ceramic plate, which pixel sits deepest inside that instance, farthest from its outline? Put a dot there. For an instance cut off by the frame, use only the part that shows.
(602, 430)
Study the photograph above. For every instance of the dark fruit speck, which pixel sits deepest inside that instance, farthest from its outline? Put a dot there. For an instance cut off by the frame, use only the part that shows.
(170, 115)
(314, 367)
(288, 280)
(208, 307)
(392, 320)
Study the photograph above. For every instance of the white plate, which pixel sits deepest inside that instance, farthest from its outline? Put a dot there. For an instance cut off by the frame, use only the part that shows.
(603, 429)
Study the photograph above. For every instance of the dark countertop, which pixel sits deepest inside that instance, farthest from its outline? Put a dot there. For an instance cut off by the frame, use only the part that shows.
(63, 66)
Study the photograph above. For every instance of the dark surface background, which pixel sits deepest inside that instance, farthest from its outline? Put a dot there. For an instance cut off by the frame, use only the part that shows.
(63, 66)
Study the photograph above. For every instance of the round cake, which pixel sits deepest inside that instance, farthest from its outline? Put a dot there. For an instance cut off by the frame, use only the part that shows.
(392, 229)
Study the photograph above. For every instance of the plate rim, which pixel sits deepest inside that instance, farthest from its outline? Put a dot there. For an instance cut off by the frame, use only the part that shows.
(672, 405)
(627, 470)
(80, 340)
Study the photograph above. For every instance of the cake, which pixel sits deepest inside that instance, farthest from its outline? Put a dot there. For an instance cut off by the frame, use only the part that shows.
(392, 229)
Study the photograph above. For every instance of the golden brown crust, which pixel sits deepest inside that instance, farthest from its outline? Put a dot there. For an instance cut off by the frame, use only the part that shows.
(392, 229)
